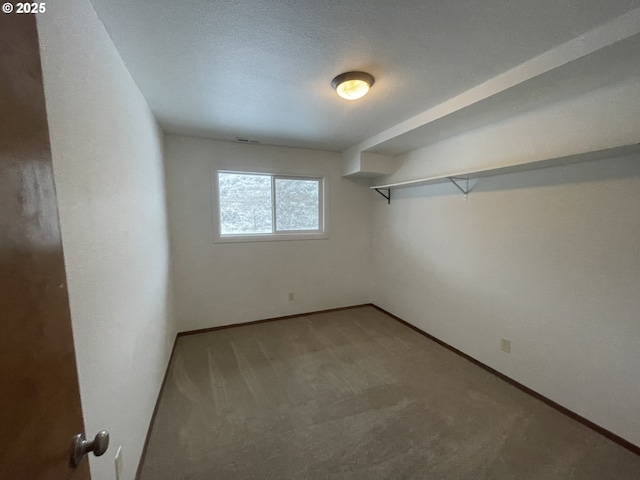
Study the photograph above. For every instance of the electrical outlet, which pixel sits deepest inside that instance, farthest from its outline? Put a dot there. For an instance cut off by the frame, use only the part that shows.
(118, 462)
(505, 345)
(291, 296)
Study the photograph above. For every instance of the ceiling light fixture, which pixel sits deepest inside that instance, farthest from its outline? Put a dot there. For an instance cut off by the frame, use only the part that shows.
(352, 85)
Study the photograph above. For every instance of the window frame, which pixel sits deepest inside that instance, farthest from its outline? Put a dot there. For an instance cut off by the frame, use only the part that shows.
(276, 235)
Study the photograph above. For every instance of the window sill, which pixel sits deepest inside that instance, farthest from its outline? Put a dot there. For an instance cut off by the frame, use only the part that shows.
(270, 238)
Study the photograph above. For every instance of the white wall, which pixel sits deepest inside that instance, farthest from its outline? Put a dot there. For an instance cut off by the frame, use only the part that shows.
(600, 119)
(107, 158)
(548, 258)
(219, 284)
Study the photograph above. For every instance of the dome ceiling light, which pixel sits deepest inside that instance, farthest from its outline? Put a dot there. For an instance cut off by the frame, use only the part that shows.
(352, 85)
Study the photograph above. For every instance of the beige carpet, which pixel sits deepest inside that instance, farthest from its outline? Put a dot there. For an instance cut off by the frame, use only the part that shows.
(356, 395)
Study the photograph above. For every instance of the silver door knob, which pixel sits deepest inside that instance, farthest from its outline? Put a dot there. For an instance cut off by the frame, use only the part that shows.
(81, 446)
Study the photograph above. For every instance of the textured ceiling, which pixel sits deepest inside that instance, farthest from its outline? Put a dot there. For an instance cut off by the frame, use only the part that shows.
(262, 69)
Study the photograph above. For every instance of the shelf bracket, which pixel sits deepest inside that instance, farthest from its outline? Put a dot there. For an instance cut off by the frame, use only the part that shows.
(457, 181)
(387, 196)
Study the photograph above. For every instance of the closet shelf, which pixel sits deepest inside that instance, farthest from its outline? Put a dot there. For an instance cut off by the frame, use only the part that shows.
(461, 179)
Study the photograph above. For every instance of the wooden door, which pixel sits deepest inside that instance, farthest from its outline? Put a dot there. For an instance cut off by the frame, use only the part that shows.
(40, 407)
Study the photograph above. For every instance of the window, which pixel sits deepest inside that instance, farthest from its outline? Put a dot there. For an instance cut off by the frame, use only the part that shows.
(263, 206)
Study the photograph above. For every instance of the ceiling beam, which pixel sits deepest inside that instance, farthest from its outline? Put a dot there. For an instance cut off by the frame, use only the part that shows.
(619, 29)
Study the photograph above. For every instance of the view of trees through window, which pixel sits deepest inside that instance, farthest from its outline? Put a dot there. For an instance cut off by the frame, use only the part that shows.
(250, 203)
